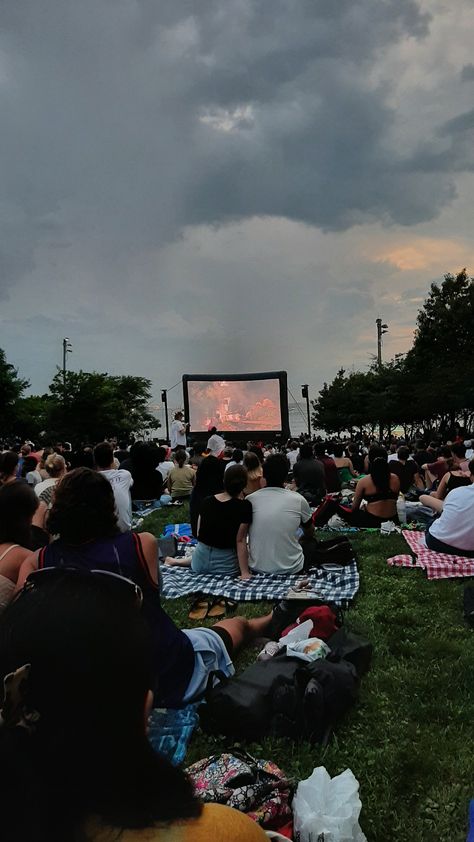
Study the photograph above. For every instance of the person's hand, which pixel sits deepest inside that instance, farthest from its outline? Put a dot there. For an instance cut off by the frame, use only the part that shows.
(245, 577)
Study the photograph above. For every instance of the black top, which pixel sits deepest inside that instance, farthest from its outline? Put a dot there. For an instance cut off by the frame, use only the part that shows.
(380, 496)
(220, 522)
(309, 476)
(209, 480)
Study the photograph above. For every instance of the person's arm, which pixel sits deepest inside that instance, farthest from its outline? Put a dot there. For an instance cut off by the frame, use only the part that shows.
(29, 565)
(351, 468)
(307, 524)
(242, 551)
(150, 553)
(442, 489)
(418, 480)
(358, 496)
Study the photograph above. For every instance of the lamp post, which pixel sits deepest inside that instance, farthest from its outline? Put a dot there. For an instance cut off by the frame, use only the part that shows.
(305, 394)
(381, 329)
(67, 349)
(164, 399)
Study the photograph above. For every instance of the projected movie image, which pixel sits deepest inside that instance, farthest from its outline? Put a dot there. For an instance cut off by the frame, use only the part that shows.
(236, 405)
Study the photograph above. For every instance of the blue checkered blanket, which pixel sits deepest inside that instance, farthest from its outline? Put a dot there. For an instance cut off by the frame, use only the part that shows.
(338, 586)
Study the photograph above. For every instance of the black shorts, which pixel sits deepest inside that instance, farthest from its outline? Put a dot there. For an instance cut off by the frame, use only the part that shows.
(226, 638)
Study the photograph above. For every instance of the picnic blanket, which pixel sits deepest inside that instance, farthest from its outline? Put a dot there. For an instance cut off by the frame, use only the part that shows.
(436, 565)
(338, 586)
(170, 730)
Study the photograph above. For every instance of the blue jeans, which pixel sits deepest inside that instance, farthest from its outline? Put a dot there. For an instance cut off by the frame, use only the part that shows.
(143, 505)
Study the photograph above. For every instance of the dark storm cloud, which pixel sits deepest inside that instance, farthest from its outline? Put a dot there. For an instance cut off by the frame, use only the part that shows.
(123, 122)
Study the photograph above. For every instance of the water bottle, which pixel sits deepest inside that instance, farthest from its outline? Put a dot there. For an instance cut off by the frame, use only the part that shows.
(402, 509)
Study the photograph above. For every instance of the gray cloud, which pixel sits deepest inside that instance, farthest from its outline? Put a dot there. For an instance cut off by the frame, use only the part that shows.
(467, 73)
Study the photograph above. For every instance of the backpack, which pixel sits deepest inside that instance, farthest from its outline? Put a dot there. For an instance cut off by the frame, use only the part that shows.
(256, 787)
(337, 550)
(345, 645)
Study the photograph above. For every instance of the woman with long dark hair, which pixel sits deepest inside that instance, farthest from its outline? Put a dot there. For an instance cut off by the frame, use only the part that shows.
(75, 761)
(379, 489)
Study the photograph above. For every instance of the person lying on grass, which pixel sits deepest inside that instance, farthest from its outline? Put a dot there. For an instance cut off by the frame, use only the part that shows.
(83, 516)
(223, 526)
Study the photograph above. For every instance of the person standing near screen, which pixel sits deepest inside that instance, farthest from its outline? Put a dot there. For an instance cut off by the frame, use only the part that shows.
(178, 432)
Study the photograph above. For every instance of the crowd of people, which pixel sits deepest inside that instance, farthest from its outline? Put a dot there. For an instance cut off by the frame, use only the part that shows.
(86, 646)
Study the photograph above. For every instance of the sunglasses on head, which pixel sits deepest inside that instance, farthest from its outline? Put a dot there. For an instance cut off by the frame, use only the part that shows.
(47, 574)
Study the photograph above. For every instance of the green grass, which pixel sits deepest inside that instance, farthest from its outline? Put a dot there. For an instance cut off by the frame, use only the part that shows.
(409, 740)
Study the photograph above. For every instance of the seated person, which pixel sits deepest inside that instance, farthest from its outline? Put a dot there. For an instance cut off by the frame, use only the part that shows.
(223, 526)
(354, 454)
(308, 474)
(453, 531)
(237, 458)
(435, 471)
(254, 473)
(209, 480)
(278, 513)
(148, 483)
(84, 518)
(120, 480)
(343, 464)
(76, 725)
(379, 489)
(406, 470)
(181, 478)
(57, 469)
(20, 511)
(450, 481)
(331, 474)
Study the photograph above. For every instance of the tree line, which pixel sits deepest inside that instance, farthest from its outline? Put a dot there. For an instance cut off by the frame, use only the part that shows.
(430, 388)
(80, 407)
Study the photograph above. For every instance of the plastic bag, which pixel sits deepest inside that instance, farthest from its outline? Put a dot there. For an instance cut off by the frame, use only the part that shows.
(308, 650)
(327, 809)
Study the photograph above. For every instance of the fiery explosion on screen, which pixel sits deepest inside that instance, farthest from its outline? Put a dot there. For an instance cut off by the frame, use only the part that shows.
(234, 405)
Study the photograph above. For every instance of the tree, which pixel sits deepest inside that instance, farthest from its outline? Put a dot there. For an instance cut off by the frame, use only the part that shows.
(32, 416)
(93, 405)
(11, 388)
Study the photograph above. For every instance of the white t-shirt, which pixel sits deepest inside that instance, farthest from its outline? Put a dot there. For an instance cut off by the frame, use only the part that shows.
(165, 468)
(178, 434)
(456, 524)
(292, 457)
(277, 515)
(121, 482)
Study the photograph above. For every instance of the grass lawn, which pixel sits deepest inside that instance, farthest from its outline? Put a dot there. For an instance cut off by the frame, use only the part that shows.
(409, 740)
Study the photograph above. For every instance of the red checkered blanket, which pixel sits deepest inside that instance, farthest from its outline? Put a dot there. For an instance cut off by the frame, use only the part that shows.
(436, 565)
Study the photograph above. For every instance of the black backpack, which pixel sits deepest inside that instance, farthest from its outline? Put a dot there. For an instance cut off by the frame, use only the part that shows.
(345, 645)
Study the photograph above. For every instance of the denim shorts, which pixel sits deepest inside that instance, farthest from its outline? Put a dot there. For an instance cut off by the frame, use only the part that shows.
(215, 561)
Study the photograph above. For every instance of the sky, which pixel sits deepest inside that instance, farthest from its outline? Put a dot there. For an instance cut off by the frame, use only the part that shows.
(209, 187)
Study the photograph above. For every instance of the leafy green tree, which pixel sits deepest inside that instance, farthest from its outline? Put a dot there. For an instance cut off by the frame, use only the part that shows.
(93, 405)
(11, 389)
(33, 417)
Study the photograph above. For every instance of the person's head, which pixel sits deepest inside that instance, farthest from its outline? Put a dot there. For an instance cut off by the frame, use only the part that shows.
(377, 452)
(123, 444)
(25, 450)
(403, 453)
(18, 503)
(352, 449)
(252, 463)
(30, 463)
(82, 686)
(235, 480)
(180, 458)
(237, 455)
(338, 450)
(213, 431)
(306, 451)
(228, 451)
(380, 472)
(104, 456)
(178, 416)
(445, 452)
(275, 470)
(420, 444)
(47, 451)
(458, 450)
(8, 466)
(83, 508)
(294, 445)
(161, 454)
(319, 449)
(55, 465)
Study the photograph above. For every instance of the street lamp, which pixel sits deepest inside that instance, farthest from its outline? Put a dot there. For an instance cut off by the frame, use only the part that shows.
(67, 349)
(381, 329)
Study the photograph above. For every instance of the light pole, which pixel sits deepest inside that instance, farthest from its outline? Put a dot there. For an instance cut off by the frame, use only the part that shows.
(305, 394)
(164, 398)
(381, 329)
(67, 349)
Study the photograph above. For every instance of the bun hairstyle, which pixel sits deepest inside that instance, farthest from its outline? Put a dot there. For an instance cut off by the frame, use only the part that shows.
(55, 465)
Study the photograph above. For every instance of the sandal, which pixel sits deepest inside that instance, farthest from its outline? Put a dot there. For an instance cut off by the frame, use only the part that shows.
(200, 608)
(221, 606)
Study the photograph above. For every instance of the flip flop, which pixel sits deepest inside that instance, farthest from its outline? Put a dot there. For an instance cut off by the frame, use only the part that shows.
(217, 608)
(200, 609)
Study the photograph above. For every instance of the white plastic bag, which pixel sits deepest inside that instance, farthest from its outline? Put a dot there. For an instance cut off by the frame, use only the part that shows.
(327, 809)
(308, 650)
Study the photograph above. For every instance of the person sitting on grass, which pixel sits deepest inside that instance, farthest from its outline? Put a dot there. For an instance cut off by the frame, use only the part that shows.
(453, 531)
(343, 464)
(379, 489)
(84, 517)
(223, 526)
(406, 470)
(76, 662)
(450, 482)
(181, 478)
(254, 473)
(308, 474)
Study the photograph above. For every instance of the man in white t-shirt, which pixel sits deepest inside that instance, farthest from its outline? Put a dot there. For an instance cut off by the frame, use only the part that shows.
(178, 432)
(277, 515)
(120, 480)
(293, 454)
(453, 531)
